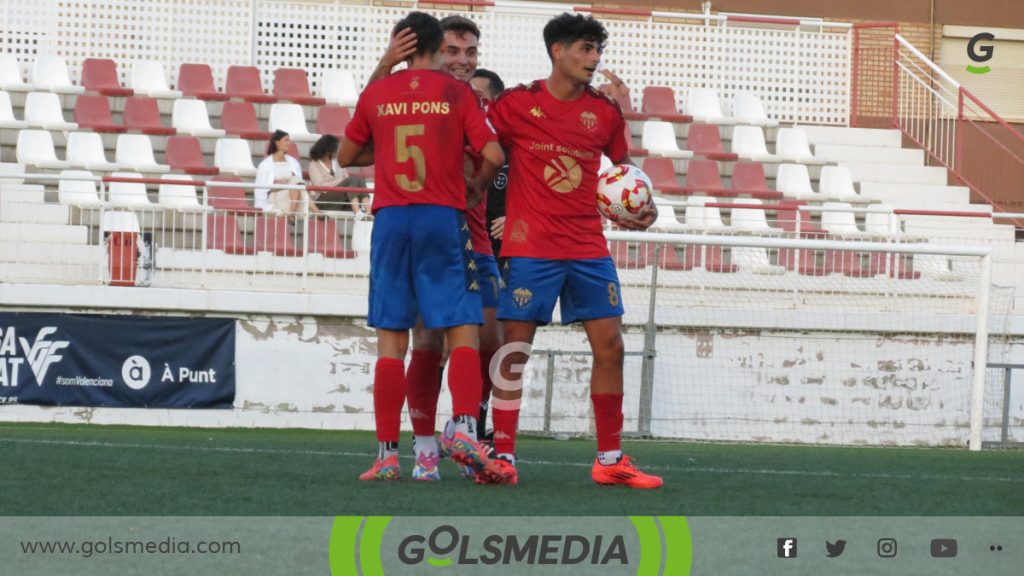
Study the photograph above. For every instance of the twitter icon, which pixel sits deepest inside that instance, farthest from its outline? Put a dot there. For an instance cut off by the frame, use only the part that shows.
(834, 550)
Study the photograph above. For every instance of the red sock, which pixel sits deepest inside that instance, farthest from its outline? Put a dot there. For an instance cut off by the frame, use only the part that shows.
(608, 417)
(388, 397)
(485, 373)
(423, 386)
(464, 381)
(505, 423)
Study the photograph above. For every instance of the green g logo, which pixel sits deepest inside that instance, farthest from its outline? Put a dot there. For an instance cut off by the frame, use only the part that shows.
(980, 54)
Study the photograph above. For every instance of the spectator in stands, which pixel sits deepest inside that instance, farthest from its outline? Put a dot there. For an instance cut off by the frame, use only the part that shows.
(280, 168)
(323, 172)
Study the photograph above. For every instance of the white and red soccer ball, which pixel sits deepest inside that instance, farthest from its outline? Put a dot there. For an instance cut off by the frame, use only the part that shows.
(622, 192)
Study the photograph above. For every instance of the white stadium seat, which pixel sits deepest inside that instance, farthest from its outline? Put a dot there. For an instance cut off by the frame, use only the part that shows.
(339, 87)
(85, 150)
(178, 196)
(232, 156)
(191, 117)
(77, 192)
(35, 148)
(11, 168)
(881, 221)
(135, 152)
(836, 182)
(667, 218)
(128, 193)
(794, 181)
(291, 119)
(7, 119)
(51, 73)
(11, 79)
(701, 217)
(837, 220)
(791, 145)
(703, 105)
(43, 110)
(748, 143)
(149, 79)
(659, 138)
(747, 109)
(753, 219)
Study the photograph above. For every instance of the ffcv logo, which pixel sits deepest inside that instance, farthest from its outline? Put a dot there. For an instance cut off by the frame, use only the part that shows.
(980, 53)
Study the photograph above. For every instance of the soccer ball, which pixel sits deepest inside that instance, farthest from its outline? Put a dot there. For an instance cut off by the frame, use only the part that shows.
(622, 191)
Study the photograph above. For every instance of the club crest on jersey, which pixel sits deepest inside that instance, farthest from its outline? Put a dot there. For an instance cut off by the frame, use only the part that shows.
(536, 112)
(522, 297)
(588, 119)
(520, 230)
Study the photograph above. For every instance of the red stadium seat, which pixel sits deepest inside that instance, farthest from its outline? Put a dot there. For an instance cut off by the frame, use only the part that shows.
(229, 198)
(100, 75)
(324, 239)
(749, 177)
(185, 154)
(626, 105)
(291, 84)
(703, 176)
(244, 82)
(332, 120)
(222, 233)
(660, 102)
(92, 111)
(662, 173)
(196, 81)
(239, 119)
(629, 140)
(272, 236)
(704, 140)
(142, 113)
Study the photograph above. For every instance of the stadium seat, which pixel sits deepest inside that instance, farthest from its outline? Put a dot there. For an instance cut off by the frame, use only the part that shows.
(143, 114)
(835, 220)
(659, 139)
(332, 120)
(750, 219)
(626, 104)
(883, 225)
(703, 105)
(791, 145)
(836, 182)
(43, 110)
(291, 119)
(150, 78)
(196, 81)
(660, 102)
(128, 193)
(339, 87)
(754, 260)
(271, 235)
(190, 117)
(748, 178)
(662, 173)
(50, 73)
(292, 85)
(92, 111)
(228, 197)
(701, 217)
(324, 238)
(244, 82)
(706, 218)
(628, 134)
(7, 168)
(232, 156)
(702, 177)
(222, 233)
(748, 143)
(11, 79)
(747, 109)
(704, 140)
(184, 154)
(666, 219)
(794, 181)
(35, 148)
(7, 119)
(135, 152)
(78, 192)
(881, 221)
(178, 196)
(239, 119)
(85, 150)
(100, 75)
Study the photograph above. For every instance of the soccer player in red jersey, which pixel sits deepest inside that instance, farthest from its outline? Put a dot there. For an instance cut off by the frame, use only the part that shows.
(412, 127)
(556, 130)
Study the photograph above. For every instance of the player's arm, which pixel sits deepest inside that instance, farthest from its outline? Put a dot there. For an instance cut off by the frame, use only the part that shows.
(493, 159)
(400, 47)
(352, 154)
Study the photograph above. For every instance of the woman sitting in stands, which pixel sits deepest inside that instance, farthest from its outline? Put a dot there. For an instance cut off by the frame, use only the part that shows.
(324, 172)
(280, 168)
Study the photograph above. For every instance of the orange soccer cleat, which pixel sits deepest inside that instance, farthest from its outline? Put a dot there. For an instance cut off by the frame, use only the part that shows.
(624, 472)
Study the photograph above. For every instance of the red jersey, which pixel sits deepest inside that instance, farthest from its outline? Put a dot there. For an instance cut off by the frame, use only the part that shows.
(555, 150)
(418, 122)
(477, 217)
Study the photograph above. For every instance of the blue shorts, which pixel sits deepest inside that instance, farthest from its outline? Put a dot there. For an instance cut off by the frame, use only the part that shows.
(588, 289)
(490, 280)
(420, 259)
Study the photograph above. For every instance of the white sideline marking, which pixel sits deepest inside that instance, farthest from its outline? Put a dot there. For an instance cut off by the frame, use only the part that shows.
(685, 469)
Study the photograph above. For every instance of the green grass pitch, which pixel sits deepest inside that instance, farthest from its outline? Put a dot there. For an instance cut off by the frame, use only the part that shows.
(119, 470)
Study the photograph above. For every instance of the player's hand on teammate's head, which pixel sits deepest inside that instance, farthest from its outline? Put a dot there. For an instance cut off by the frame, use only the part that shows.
(401, 46)
(646, 217)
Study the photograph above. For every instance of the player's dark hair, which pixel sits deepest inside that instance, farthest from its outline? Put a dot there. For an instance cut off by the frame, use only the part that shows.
(427, 29)
(460, 25)
(274, 139)
(568, 28)
(497, 86)
(327, 145)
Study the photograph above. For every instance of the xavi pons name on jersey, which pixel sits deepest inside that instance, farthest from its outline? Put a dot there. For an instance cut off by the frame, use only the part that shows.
(39, 353)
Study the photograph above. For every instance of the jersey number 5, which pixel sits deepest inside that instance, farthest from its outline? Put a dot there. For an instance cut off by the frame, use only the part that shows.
(404, 151)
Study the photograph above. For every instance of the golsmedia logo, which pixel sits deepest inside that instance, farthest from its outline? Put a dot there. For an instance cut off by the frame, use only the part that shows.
(980, 53)
(548, 549)
(386, 546)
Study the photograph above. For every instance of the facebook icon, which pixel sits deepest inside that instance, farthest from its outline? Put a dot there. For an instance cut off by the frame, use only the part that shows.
(786, 547)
